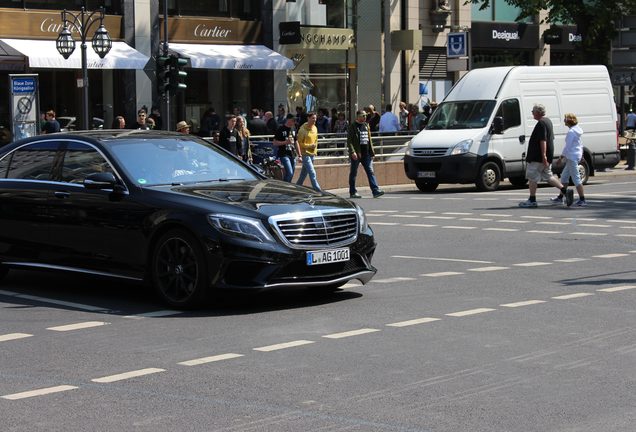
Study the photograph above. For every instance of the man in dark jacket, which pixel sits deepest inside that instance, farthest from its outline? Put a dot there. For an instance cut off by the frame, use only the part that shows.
(360, 146)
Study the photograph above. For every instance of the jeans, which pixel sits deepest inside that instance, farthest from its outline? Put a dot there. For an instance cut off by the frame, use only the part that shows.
(289, 163)
(367, 163)
(308, 168)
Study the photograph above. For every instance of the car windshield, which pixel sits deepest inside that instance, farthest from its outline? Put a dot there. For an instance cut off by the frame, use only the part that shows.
(462, 115)
(151, 162)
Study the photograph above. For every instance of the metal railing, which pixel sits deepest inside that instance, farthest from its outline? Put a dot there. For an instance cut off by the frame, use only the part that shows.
(332, 147)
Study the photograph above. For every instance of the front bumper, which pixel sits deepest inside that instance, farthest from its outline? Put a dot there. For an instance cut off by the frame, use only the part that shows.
(442, 169)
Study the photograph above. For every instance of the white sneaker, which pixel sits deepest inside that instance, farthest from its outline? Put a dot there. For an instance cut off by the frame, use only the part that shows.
(528, 204)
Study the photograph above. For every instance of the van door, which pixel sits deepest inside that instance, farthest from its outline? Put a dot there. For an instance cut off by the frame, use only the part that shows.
(511, 146)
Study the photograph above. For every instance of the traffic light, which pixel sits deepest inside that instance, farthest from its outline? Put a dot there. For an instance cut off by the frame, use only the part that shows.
(163, 74)
(177, 74)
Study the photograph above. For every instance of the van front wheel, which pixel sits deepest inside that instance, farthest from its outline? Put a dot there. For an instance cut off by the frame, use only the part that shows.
(489, 177)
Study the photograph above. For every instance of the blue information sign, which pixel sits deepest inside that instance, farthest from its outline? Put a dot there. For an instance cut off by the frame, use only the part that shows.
(23, 85)
(456, 46)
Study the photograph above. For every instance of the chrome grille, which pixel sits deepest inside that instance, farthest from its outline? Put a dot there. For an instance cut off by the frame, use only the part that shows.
(430, 152)
(317, 229)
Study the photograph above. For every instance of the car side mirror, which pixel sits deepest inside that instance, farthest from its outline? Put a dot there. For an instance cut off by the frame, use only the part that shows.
(497, 126)
(102, 180)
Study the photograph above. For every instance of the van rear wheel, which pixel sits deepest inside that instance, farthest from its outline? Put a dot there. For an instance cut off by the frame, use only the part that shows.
(426, 186)
(584, 171)
(489, 177)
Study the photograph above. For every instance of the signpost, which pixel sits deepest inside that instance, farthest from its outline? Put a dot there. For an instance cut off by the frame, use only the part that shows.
(25, 105)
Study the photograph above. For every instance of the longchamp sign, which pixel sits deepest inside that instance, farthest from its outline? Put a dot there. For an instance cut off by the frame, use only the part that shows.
(325, 38)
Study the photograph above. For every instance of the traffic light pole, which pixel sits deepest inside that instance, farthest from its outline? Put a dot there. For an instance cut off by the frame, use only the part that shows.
(165, 54)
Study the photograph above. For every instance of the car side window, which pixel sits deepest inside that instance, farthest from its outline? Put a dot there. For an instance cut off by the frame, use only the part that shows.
(32, 162)
(81, 160)
(511, 113)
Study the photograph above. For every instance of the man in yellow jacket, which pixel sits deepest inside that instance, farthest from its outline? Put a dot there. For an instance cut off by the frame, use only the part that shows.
(308, 143)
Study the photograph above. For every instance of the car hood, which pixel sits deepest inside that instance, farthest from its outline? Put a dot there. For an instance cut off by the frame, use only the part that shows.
(444, 137)
(268, 197)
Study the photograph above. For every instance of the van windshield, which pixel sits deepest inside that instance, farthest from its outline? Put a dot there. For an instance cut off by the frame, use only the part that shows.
(461, 115)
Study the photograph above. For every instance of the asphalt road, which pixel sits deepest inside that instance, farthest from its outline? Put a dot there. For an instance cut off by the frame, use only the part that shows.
(483, 317)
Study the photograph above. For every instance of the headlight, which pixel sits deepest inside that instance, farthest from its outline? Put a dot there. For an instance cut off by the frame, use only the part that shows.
(409, 149)
(461, 147)
(362, 219)
(241, 226)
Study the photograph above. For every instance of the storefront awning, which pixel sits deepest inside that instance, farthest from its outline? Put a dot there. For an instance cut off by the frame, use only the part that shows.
(242, 57)
(44, 54)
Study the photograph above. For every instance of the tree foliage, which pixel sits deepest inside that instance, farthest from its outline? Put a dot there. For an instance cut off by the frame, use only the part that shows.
(597, 21)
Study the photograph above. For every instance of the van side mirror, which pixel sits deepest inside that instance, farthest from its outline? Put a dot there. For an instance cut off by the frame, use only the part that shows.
(497, 126)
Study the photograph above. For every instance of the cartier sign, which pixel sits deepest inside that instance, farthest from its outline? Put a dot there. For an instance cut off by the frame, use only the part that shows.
(326, 38)
(217, 31)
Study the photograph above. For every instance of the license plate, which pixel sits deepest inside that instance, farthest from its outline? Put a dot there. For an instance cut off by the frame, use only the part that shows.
(426, 174)
(327, 256)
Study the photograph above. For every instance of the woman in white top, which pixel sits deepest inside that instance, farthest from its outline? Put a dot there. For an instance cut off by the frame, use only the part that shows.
(572, 153)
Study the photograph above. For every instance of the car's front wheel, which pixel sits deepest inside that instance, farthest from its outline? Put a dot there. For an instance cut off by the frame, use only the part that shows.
(179, 273)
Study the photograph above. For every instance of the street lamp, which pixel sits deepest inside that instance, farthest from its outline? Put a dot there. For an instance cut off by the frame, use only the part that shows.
(82, 23)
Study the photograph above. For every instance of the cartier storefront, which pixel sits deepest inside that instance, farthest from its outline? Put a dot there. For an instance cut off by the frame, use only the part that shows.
(27, 45)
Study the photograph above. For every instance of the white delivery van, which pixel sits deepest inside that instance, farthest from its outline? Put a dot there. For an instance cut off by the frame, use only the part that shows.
(480, 132)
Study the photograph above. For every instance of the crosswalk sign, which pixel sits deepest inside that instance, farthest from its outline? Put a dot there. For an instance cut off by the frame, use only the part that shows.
(456, 45)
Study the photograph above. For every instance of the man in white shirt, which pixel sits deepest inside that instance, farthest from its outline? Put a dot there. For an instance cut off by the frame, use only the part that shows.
(389, 121)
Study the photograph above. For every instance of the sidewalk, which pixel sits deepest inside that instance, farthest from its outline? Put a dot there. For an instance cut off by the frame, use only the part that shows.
(611, 173)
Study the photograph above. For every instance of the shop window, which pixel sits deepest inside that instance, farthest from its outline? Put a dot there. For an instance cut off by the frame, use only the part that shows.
(111, 7)
(497, 10)
(241, 9)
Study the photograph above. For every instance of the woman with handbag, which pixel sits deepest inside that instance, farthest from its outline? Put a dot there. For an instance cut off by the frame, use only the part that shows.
(571, 155)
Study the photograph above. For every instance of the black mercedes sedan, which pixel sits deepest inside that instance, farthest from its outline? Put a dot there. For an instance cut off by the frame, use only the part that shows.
(173, 211)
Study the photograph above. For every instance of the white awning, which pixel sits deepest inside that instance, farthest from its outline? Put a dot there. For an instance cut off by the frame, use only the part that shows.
(242, 57)
(44, 54)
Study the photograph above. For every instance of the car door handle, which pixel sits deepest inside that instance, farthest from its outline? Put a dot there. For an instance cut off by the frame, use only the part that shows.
(62, 195)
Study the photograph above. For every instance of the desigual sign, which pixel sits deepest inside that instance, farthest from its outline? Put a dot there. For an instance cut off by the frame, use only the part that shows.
(326, 38)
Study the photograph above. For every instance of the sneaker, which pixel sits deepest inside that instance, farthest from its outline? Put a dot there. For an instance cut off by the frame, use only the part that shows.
(569, 197)
(355, 195)
(557, 200)
(528, 203)
(581, 203)
(378, 194)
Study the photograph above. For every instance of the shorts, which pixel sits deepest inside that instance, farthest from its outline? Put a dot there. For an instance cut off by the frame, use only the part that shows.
(537, 172)
(571, 171)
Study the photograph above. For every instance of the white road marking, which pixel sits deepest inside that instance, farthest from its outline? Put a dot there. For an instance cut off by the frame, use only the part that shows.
(618, 288)
(470, 312)
(285, 345)
(384, 223)
(441, 259)
(589, 234)
(512, 221)
(626, 235)
(403, 216)
(420, 225)
(39, 392)
(55, 302)
(487, 269)
(473, 219)
(422, 198)
(127, 375)
(442, 274)
(595, 225)
(204, 360)
(452, 199)
(459, 227)
(622, 221)
(413, 322)
(394, 279)
(501, 229)
(537, 217)
(421, 212)
(13, 336)
(384, 211)
(522, 303)
(627, 227)
(78, 326)
(572, 296)
(532, 264)
(553, 223)
(613, 255)
(495, 215)
(351, 333)
(571, 260)
(486, 199)
(544, 232)
(440, 217)
(154, 314)
(456, 214)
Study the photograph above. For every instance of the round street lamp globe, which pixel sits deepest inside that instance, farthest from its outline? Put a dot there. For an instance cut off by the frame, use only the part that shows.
(64, 43)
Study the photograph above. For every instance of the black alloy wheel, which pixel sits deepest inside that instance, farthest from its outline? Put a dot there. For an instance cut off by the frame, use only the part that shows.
(179, 273)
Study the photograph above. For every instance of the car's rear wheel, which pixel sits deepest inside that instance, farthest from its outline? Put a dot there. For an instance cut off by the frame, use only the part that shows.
(426, 186)
(179, 273)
